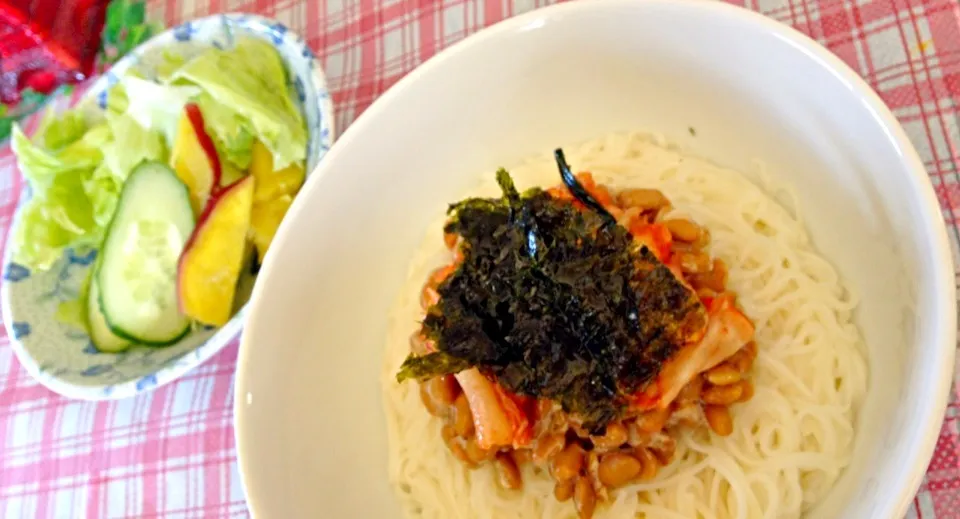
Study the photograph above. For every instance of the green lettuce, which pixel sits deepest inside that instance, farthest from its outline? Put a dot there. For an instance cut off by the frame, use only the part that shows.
(131, 145)
(168, 63)
(248, 80)
(57, 215)
(58, 131)
(232, 135)
(75, 171)
(156, 107)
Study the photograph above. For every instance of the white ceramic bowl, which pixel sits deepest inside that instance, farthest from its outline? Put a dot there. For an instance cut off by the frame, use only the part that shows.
(310, 430)
(62, 357)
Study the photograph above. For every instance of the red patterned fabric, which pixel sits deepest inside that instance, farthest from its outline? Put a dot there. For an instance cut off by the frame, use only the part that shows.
(171, 453)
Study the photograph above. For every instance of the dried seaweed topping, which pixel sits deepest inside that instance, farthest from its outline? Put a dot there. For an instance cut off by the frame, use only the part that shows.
(577, 189)
(556, 303)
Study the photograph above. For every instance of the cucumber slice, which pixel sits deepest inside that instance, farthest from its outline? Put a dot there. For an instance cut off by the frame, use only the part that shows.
(138, 276)
(100, 333)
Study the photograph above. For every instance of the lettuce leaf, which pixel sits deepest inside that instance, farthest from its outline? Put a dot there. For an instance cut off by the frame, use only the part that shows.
(156, 107)
(58, 131)
(57, 215)
(102, 189)
(168, 63)
(250, 81)
(75, 172)
(131, 145)
(117, 100)
(232, 135)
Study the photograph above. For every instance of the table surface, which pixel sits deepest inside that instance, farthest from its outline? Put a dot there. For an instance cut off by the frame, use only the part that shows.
(171, 453)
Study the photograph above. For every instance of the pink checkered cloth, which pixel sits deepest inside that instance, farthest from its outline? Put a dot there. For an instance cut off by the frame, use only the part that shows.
(171, 453)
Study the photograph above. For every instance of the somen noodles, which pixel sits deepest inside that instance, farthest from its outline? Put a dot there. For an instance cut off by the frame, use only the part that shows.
(732, 393)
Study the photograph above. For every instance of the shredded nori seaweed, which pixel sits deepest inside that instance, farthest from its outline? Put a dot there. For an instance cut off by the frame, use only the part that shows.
(554, 302)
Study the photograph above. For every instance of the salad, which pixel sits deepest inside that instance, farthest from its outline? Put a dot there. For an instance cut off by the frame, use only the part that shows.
(179, 182)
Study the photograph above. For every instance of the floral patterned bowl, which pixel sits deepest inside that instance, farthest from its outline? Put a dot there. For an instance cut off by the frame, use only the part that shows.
(61, 356)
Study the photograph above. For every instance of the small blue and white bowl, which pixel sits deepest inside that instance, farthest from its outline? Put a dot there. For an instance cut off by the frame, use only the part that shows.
(62, 357)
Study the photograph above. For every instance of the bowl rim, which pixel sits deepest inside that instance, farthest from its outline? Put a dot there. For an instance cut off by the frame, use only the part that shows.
(920, 440)
(226, 333)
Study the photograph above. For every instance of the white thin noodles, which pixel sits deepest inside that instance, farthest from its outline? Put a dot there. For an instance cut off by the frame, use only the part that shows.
(790, 442)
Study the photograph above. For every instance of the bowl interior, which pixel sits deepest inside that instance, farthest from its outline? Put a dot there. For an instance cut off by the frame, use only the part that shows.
(61, 355)
(720, 82)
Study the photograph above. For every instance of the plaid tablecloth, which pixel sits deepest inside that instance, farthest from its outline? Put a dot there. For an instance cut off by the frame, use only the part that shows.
(171, 453)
